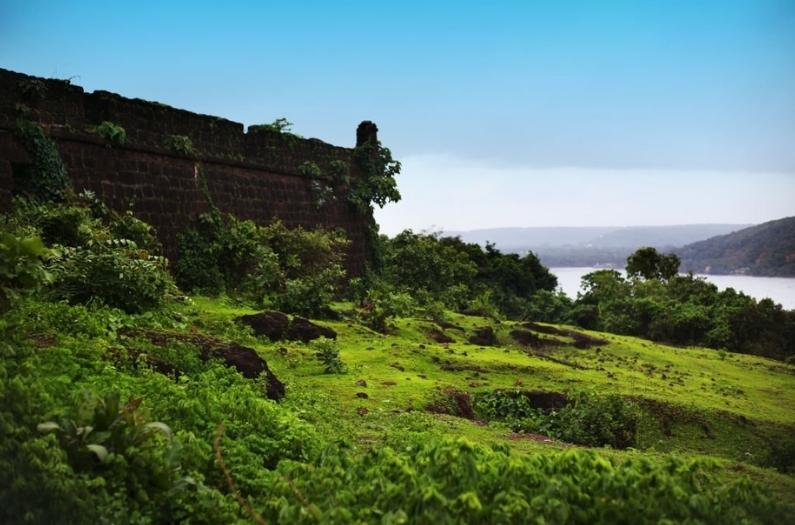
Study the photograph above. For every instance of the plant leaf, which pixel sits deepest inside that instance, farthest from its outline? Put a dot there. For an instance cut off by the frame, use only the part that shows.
(49, 426)
(100, 451)
(160, 427)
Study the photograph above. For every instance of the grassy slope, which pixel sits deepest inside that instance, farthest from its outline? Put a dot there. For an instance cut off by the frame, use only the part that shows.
(733, 407)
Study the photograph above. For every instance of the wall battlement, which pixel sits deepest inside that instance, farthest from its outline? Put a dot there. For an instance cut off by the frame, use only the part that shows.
(253, 175)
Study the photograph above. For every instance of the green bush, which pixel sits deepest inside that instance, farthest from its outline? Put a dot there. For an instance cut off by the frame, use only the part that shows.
(454, 481)
(127, 226)
(181, 144)
(21, 267)
(328, 354)
(117, 273)
(595, 421)
(310, 295)
(588, 419)
(295, 270)
(382, 304)
(111, 132)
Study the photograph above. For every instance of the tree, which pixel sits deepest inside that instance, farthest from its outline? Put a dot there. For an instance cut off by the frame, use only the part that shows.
(648, 263)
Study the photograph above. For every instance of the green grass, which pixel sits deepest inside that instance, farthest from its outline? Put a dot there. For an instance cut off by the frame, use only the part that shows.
(730, 406)
(738, 410)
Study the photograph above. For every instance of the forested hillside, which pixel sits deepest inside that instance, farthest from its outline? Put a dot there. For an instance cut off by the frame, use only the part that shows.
(766, 249)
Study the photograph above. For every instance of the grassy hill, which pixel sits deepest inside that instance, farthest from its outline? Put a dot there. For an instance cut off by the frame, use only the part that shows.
(404, 400)
(766, 249)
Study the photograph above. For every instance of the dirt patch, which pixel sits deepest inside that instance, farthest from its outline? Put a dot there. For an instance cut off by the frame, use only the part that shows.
(526, 338)
(270, 324)
(546, 400)
(137, 357)
(304, 330)
(580, 340)
(447, 325)
(451, 367)
(277, 326)
(243, 359)
(440, 337)
(483, 336)
(586, 341)
(549, 330)
(43, 340)
(453, 402)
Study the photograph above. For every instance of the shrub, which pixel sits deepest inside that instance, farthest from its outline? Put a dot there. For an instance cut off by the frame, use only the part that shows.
(280, 125)
(310, 295)
(381, 304)
(107, 429)
(296, 270)
(117, 273)
(455, 481)
(587, 420)
(181, 144)
(127, 226)
(328, 354)
(595, 421)
(113, 133)
(21, 267)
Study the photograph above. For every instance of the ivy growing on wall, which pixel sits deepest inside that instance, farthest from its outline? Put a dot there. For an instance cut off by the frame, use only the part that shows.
(46, 178)
(322, 191)
(376, 183)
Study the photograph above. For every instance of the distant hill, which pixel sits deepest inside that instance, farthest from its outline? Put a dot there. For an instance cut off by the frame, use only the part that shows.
(766, 249)
(593, 245)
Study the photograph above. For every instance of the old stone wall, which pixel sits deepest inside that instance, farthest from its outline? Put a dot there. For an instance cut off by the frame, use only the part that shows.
(253, 175)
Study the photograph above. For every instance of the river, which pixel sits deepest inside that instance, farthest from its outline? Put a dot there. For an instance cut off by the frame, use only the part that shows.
(780, 289)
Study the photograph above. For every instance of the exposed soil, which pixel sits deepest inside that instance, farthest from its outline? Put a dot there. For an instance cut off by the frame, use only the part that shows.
(546, 400)
(440, 337)
(483, 336)
(447, 325)
(586, 341)
(526, 338)
(277, 325)
(453, 402)
(243, 359)
(269, 323)
(549, 330)
(304, 330)
(580, 339)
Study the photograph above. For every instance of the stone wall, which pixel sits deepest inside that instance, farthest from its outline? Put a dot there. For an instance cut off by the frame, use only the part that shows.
(253, 175)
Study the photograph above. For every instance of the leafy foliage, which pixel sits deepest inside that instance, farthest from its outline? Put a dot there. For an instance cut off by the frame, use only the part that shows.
(116, 272)
(588, 419)
(46, 178)
(111, 132)
(181, 144)
(293, 269)
(650, 264)
(463, 276)
(328, 354)
(685, 310)
(21, 267)
(376, 182)
(280, 125)
(380, 305)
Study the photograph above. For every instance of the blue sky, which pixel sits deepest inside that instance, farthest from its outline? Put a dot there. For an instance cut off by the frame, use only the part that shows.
(504, 113)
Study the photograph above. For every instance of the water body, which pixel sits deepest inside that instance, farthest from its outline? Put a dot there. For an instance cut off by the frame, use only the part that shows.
(780, 289)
